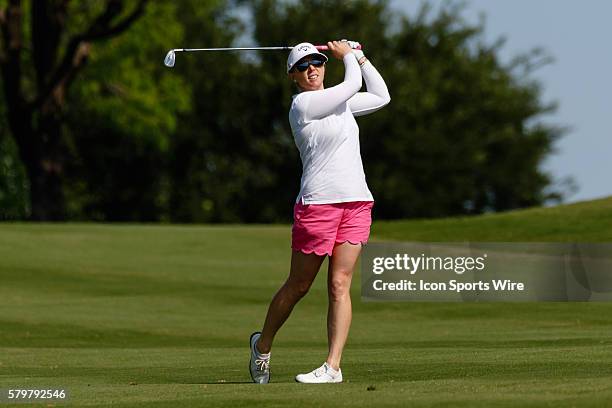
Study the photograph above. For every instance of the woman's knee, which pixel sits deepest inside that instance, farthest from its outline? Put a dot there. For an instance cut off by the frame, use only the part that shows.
(339, 286)
(298, 288)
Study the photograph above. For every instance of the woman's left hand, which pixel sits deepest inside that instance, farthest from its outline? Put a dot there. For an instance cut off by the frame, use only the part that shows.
(353, 44)
(339, 49)
(355, 47)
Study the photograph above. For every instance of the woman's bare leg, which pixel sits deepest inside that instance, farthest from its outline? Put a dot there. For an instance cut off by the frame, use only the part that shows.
(339, 313)
(304, 268)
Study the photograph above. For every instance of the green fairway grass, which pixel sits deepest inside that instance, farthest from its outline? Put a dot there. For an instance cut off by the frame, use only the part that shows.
(589, 221)
(160, 316)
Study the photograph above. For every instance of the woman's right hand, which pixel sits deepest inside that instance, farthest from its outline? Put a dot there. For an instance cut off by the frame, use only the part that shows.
(339, 49)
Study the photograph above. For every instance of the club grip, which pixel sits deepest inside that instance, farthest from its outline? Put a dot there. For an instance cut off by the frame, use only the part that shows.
(325, 47)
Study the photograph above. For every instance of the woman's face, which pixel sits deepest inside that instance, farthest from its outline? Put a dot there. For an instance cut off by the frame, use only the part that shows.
(312, 78)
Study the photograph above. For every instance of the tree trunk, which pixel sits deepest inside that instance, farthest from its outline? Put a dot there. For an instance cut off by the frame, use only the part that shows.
(45, 172)
(46, 193)
(40, 151)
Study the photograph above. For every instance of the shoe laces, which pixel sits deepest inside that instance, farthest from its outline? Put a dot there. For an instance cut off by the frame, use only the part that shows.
(320, 371)
(262, 363)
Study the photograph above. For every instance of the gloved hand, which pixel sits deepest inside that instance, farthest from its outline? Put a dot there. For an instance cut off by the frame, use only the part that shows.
(354, 45)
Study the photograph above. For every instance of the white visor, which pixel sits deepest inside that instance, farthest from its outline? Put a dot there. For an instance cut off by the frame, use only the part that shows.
(300, 51)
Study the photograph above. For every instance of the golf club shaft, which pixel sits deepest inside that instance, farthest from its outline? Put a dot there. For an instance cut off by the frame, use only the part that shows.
(319, 47)
(231, 49)
(170, 59)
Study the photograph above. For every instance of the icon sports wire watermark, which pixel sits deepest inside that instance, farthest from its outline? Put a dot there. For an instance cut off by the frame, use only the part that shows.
(505, 272)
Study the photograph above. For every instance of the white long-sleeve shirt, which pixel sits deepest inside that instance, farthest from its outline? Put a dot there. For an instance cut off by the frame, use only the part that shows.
(327, 135)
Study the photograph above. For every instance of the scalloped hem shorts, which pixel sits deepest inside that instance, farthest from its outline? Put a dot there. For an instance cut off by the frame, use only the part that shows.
(319, 228)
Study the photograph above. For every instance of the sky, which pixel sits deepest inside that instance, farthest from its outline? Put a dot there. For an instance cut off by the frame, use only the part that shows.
(578, 35)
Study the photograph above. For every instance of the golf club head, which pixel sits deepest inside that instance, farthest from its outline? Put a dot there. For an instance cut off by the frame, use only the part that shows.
(170, 59)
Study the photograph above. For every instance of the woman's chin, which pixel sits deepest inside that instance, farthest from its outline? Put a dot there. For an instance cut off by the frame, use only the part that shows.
(312, 87)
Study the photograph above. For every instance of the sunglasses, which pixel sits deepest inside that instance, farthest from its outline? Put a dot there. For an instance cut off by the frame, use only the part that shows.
(303, 66)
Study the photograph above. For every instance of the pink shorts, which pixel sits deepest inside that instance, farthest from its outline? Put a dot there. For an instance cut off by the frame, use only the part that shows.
(319, 227)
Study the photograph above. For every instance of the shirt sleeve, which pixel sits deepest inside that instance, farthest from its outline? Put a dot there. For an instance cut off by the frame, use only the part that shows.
(314, 105)
(377, 94)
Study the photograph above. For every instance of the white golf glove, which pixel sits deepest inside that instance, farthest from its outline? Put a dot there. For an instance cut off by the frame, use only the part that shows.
(354, 45)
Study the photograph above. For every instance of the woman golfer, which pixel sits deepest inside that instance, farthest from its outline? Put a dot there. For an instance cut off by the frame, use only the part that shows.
(332, 214)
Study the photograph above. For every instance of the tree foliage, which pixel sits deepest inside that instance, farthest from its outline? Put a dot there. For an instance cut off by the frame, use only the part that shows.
(209, 141)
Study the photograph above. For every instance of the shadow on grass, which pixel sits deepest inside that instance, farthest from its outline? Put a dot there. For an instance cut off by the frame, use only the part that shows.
(396, 371)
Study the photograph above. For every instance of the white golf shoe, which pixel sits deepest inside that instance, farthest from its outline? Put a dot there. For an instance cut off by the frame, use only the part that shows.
(321, 375)
(260, 363)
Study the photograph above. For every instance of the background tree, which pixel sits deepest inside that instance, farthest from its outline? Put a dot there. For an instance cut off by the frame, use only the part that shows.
(225, 154)
(39, 61)
(14, 189)
(466, 136)
(121, 120)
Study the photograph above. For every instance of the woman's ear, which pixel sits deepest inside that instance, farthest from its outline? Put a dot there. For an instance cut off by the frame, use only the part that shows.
(292, 77)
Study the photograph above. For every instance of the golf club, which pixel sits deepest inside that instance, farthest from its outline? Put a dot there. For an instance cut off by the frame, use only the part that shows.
(170, 59)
